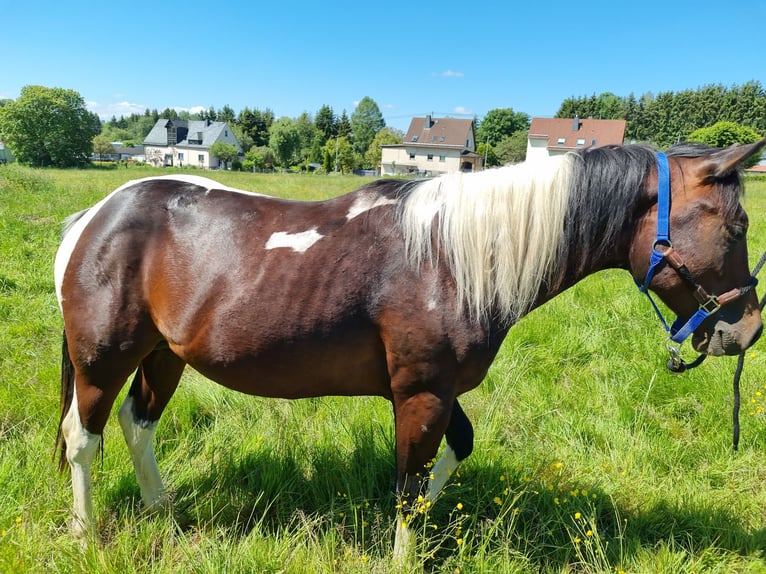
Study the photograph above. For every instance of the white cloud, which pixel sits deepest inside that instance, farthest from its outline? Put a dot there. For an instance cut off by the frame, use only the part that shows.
(116, 109)
(462, 110)
(449, 74)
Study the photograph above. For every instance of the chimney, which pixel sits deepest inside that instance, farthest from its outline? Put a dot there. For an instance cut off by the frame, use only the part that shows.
(429, 123)
(576, 123)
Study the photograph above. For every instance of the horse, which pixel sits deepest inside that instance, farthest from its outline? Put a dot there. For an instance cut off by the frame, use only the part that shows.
(402, 289)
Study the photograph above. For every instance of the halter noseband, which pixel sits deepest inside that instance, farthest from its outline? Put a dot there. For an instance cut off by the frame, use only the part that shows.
(663, 253)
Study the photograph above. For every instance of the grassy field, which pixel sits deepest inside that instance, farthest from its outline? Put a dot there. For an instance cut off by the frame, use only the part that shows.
(590, 456)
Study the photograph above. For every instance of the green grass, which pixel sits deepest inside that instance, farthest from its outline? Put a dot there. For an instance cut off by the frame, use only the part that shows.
(590, 456)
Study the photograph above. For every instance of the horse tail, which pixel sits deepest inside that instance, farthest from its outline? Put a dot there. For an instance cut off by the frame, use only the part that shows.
(67, 393)
(71, 220)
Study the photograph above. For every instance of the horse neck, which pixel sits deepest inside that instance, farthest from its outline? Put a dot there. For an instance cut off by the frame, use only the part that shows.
(599, 231)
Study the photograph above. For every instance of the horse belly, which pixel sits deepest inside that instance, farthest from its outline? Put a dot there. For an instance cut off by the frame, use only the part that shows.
(346, 364)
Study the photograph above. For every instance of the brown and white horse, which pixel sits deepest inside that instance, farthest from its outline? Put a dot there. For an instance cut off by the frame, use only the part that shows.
(403, 290)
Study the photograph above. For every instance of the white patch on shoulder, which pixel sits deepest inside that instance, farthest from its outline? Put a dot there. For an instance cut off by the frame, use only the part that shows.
(298, 242)
(365, 203)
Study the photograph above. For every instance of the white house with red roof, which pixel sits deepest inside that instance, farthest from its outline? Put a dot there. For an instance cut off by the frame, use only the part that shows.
(433, 146)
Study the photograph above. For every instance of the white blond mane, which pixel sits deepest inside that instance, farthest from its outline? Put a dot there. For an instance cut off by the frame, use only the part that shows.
(501, 231)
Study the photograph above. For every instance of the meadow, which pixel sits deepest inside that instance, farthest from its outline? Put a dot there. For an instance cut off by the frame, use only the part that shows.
(590, 455)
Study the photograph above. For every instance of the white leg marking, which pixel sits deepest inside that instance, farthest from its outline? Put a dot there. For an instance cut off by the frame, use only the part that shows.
(298, 242)
(441, 472)
(140, 439)
(81, 448)
(404, 540)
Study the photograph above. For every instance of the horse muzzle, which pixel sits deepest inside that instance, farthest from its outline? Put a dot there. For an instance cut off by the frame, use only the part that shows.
(726, 338)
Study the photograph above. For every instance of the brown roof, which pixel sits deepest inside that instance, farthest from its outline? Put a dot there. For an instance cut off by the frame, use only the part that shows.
(573, 133)
(441, 132)
(758, 168)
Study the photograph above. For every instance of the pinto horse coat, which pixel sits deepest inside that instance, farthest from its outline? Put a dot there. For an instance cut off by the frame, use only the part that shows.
(403, 290)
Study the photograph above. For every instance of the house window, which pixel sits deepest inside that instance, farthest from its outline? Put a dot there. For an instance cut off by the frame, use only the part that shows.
(430, 157)
(181, 155)
(561, 141)
(442, 158)
(414, 138)
(441, 139)
(201, 159)
(412, 156)
(580, 141)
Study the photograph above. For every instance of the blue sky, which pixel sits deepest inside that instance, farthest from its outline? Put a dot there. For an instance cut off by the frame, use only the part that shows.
(449, 58)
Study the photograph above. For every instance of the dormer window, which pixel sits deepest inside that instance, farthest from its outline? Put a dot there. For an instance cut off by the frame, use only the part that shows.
(414, 138)
(561, 141)
(580, 141)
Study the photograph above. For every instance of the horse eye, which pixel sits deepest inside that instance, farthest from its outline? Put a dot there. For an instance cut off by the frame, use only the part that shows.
(737, 231)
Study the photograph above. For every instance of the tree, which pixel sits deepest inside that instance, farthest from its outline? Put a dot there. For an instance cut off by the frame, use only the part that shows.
(225, 152)
(48, 126)
(326, 123)
(343, 125)
(307, 133)
(339, 155)
(284, 141)
(724, 134)
(500, 123)
(487, 151)
(366, 121)
(258, 159)
(102, 146)
(386, 136)
(512, 149)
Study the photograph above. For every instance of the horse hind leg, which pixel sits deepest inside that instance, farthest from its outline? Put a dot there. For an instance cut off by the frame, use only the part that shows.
(81, 447)
(85, 410)
(153, 385)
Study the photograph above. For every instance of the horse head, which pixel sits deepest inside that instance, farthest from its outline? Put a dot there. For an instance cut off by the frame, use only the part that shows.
(702, 270)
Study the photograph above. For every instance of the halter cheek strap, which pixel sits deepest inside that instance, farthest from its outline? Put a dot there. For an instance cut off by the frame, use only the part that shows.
(664, 254)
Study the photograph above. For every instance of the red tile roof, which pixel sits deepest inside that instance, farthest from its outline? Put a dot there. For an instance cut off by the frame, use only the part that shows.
(441, 132)
(573, 133)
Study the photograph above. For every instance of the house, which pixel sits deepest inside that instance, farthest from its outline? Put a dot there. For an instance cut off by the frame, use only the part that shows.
(555, 136)
(433, 146)
(5, 154)
(135, 153)
(182, 143)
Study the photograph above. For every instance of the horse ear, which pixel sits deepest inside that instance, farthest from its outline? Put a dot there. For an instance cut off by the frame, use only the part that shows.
(726, 161)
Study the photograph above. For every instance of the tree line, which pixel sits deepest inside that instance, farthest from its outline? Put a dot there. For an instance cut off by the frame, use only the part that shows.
(51, 126)
(671, 117)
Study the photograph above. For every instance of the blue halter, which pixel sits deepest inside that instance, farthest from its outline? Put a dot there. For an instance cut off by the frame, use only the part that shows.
(663, 253)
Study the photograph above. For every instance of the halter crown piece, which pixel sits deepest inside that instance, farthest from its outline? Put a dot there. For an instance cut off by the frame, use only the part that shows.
(662, 254)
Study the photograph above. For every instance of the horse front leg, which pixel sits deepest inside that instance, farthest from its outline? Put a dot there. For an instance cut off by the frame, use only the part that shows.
(459, 446)
(421, 421)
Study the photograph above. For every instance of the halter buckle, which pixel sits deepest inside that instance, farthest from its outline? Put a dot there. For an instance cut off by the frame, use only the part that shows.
(711, 306)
